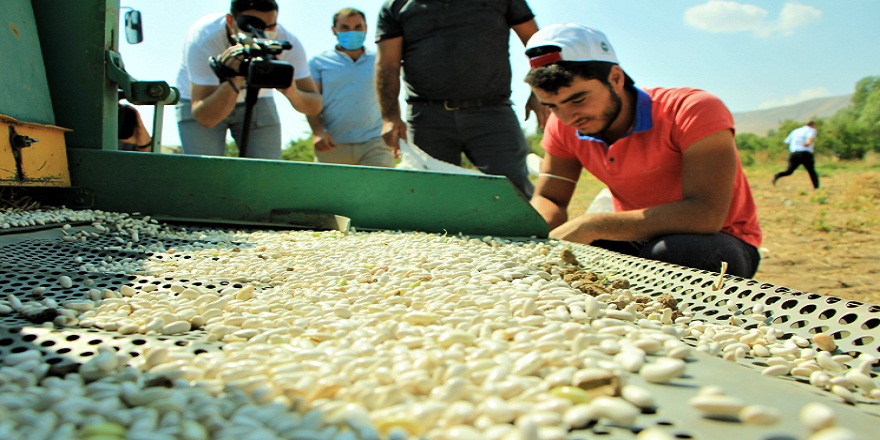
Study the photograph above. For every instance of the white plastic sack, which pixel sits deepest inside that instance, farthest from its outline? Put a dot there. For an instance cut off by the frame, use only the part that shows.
(601, 203)
(413, 158)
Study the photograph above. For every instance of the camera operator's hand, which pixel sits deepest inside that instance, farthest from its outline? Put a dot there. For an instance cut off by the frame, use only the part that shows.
(229, 65)
(213, 103)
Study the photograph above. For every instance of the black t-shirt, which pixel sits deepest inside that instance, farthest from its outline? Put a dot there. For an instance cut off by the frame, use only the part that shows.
(454, 49)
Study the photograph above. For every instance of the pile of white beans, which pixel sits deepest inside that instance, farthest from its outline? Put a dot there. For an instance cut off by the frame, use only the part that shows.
(379, 335)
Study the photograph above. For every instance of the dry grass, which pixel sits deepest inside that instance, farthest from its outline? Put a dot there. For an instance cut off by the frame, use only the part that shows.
(824, 241)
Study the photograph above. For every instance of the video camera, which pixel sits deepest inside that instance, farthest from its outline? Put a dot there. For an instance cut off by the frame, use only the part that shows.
(258, 63)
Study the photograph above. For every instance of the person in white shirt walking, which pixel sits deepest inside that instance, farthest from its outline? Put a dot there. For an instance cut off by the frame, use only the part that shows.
(800, 146)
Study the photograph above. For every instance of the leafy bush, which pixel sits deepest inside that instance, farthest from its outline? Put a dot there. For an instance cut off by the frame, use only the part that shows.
(299, 150)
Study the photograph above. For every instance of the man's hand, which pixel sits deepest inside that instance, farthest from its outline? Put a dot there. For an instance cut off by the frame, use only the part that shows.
(541, 111)
(323, 141)
(392, 133)
(581, 229)
(228, 64)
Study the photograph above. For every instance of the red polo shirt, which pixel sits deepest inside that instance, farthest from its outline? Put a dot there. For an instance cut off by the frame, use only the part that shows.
(643, 169)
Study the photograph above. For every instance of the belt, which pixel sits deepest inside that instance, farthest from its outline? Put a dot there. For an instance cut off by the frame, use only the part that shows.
(461, 104)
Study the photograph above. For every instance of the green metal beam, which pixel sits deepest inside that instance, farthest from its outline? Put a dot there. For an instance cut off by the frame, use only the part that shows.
(220, 188)
(24, 91)
(74, 36)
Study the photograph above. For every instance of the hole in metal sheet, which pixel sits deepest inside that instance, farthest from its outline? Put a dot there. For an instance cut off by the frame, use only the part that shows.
(781, 319)
(871, 324)
(683, 435)
(841, 334)
(849, 318)
(819, 329)
(772, 300)
(864, 340)
(47, 343)
(827, 314)
(807, 309)
(790, 304)
(799, 324)
(853, 304)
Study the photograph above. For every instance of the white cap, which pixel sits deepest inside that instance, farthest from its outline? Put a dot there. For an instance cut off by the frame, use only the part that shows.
(576, 43)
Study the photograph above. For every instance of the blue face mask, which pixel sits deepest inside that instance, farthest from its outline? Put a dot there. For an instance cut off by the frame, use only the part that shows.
(351, 40)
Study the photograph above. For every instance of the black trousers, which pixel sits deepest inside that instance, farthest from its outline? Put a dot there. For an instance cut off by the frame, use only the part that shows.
(797, 159)
(698, 251)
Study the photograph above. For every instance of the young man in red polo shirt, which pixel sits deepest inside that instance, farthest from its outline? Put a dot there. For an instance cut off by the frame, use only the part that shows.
(666, 154)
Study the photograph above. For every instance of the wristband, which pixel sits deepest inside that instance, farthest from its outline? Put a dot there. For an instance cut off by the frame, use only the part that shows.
(554, 176)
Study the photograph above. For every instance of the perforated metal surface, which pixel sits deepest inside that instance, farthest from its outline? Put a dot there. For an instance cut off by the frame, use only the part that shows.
(855, 326)
(31, 264)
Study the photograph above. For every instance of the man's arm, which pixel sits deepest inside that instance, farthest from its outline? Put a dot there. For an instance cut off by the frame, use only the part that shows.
(525, 31)
(320, 138)
(708, 173)
(554, 188)
(811, 138)
(388, 59)
(304, 96)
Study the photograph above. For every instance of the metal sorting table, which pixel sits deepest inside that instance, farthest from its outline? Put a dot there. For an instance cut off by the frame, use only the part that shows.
(32, 259)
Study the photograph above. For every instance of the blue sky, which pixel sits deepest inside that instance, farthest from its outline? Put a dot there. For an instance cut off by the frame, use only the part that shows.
(752, 54)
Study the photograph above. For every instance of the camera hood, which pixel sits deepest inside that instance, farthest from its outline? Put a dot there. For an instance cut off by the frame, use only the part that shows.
(251, 24)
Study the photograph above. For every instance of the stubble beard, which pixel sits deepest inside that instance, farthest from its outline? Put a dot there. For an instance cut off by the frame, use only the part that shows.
(610, 114)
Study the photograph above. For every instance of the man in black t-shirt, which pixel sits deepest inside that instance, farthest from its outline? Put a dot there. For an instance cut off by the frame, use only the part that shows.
(456, 69)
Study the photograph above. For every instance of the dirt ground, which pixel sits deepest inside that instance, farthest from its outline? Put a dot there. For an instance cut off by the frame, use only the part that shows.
(824, 241)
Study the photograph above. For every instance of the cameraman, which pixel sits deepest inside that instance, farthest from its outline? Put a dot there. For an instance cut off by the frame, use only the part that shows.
(209, 107)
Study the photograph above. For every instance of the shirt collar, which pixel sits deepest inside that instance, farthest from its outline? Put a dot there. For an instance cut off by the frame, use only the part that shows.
(341, 53)
(643, 120)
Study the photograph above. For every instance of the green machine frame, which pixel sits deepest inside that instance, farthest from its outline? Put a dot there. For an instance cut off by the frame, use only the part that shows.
(83, 75)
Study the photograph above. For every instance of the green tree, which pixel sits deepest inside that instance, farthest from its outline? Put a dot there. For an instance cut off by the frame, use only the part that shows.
(866, 104)
(231, 149)
(845, 137)
(534, 141)
(855, 130)
(299, 150)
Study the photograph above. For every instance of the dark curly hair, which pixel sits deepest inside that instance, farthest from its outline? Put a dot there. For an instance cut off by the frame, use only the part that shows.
(561, 74)
(239, 6)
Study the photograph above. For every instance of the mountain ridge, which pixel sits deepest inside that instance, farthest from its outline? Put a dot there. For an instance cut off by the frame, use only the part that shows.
(760, 122)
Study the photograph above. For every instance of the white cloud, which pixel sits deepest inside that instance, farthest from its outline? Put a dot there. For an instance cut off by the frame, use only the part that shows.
(796, 15)
(725, 16)
(803, 95)
(721, 16)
